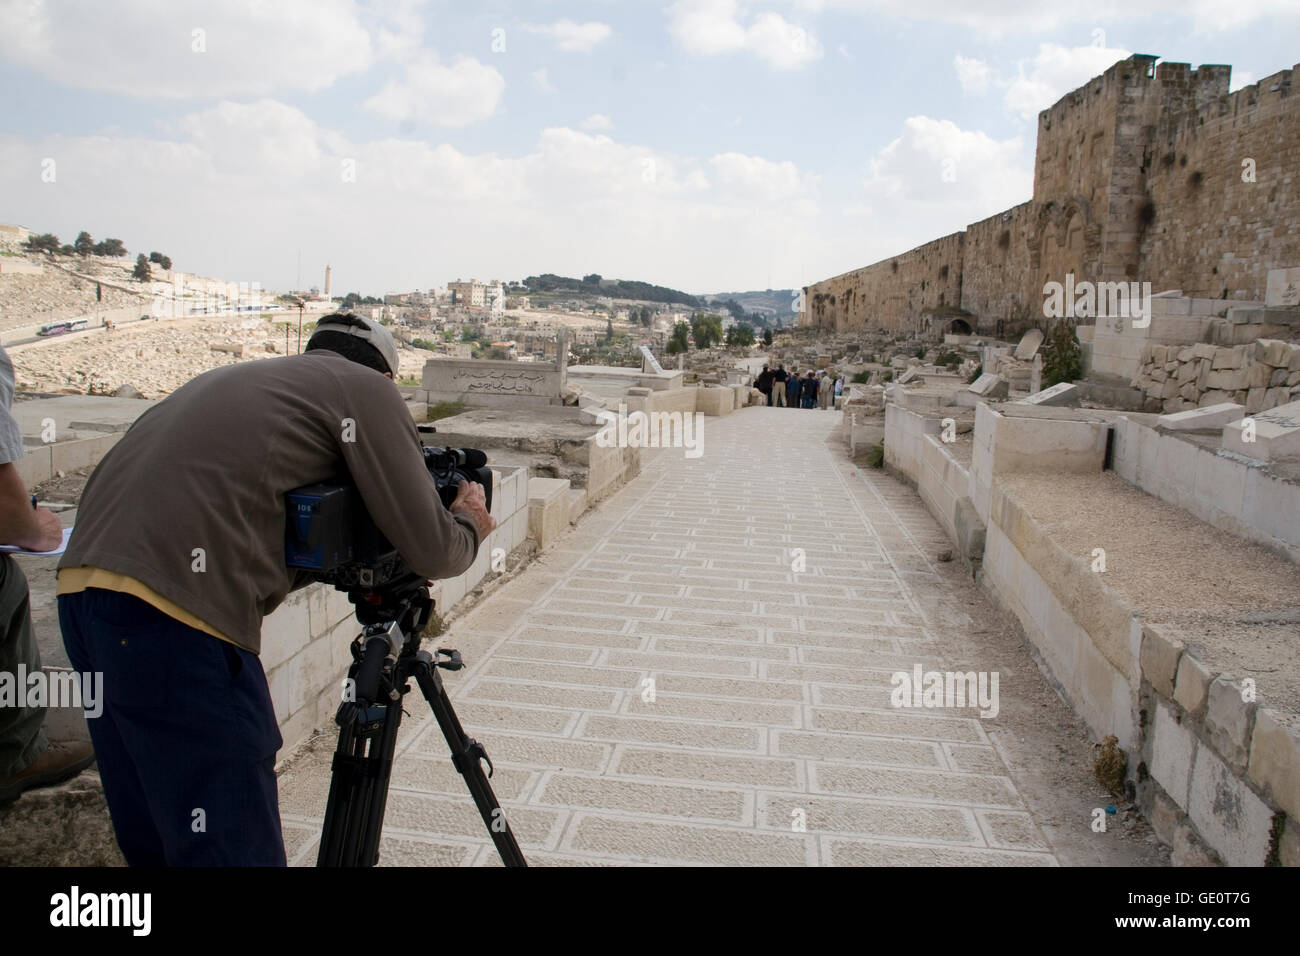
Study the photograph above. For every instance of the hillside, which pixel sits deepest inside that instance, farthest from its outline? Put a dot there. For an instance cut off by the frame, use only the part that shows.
(773, 303)
(594, 286)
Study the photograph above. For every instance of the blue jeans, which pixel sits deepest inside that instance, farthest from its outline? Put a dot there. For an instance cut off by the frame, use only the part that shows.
(187, 738)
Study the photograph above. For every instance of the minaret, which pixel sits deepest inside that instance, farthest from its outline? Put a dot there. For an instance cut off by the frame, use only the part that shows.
(327, 283)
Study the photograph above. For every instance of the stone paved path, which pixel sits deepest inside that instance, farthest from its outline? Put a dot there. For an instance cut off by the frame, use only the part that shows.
(768, 738)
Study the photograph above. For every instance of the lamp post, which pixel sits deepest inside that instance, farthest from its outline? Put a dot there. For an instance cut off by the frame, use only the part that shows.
(301, 304)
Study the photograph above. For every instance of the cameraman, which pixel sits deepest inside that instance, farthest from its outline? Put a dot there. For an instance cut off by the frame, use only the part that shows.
(178, 554)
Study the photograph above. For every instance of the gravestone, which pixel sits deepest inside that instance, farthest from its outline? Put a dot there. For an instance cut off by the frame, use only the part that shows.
(496, 382)
(1283, 287)
(989, 385)
(649, 363)
(1036, 375)
(1029, 343)
(1211, 417)
(1062, 393)
(910, 374)
(1276, 434)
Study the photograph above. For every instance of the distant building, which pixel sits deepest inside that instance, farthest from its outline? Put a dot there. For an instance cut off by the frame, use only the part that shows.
(478, 295)
(13, 236)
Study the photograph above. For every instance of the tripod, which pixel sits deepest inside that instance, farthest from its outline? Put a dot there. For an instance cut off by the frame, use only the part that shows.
(386, 655)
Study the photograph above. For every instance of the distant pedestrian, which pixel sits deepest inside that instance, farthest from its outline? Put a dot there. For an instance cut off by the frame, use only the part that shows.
(825, 392)
(839, 391)
(779, 378)
(809, 390)
(764, 383)
(793, 388)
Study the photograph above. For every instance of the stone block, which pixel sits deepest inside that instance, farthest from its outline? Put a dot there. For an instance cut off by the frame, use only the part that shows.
(1173, 752)
(1226, 358)
(1192, 684)
(714, 400)
(1226, 812)
(1228, 721)
(1275, 397)
(1272, 352)
(1255, 376)
(1207, 418)
(1159, 658)
(1275, 760)
(1203, 350)
(548, 509)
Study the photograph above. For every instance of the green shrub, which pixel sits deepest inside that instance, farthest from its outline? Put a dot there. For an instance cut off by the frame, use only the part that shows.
(979, 370)
(1062, 357)
(860, 378)
(876, 456)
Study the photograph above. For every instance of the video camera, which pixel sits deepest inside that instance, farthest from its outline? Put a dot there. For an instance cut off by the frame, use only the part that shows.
(329, 532)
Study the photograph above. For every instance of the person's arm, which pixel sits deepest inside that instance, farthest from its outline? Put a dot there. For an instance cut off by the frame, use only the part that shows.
(36, 529)
(387, 466)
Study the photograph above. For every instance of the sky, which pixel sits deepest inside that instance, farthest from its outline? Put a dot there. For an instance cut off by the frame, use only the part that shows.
(706, 145)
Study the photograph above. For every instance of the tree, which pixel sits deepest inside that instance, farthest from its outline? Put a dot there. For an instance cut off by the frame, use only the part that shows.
(741, 336)
(110, 247)
(706, 330)
(141, 271)
(46, 242)
(162, 260)
(680, 340)
(646, 316)
(67, 250)
(609, 330)
(593, 279)
(767, 336)
(84, 245)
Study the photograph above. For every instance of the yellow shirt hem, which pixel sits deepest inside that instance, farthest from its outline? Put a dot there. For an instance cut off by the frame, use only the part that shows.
(75, 580)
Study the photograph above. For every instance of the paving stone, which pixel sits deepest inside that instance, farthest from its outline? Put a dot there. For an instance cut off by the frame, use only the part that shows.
(771, 683)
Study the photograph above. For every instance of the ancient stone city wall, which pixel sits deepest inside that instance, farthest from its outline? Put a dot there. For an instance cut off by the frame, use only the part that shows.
(892, 293)
(1214, 234)
(1138, 176)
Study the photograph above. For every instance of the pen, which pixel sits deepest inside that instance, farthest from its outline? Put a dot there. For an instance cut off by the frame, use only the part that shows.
(33, 502)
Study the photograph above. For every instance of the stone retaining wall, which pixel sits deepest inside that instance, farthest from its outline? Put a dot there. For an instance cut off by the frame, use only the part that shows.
(1217, 776)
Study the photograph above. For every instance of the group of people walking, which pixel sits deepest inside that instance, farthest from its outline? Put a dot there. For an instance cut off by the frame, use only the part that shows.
(790, 390)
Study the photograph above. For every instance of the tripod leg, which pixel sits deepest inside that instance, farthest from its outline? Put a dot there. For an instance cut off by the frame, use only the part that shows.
(467, 755)
(354, 815)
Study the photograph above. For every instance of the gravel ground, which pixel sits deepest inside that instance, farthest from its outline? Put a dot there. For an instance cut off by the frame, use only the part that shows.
(1234, 602)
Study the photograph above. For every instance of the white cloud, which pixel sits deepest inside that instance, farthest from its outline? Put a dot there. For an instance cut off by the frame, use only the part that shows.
(574, 37)
(1241, 78)
(753, 179)
(597, 121)
(621, 209)
(1055, 71)
(711, 27)
(999, 17)
(542, 81)
(153, 49)
(973, 75)
(465, 92)
(937, 178)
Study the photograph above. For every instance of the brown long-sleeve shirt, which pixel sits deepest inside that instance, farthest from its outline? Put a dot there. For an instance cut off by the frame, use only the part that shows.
(208, 467)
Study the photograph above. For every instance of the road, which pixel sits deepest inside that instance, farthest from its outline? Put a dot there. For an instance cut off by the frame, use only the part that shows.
(701, 672)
